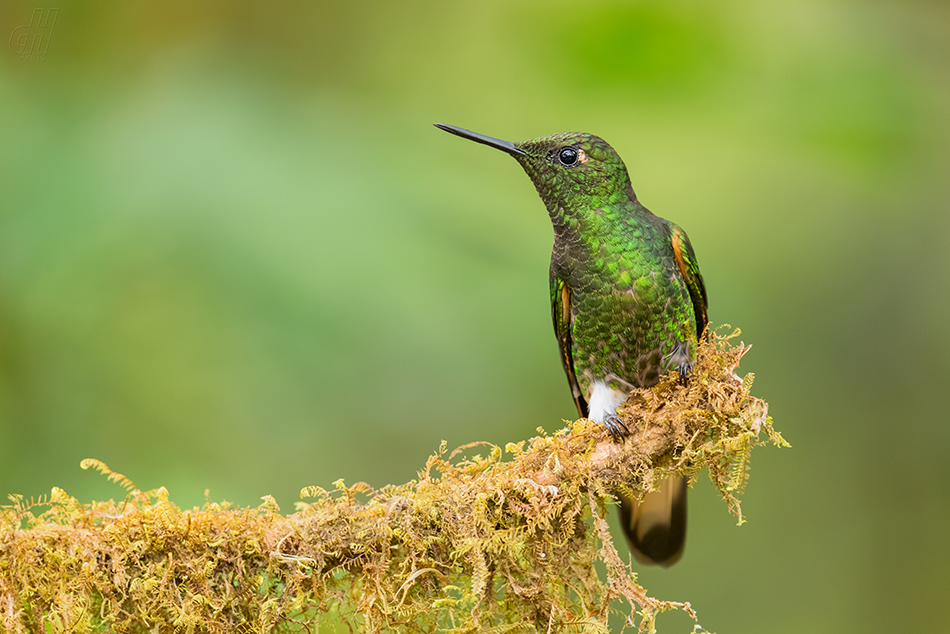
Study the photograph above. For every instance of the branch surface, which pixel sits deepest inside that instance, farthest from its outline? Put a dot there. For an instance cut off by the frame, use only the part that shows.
(480, 541)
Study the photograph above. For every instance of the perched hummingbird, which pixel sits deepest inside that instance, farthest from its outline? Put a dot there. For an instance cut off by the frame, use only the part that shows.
(627, 300)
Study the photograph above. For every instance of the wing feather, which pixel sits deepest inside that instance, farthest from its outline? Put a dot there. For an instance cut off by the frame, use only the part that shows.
(689, 270)
(563, 328)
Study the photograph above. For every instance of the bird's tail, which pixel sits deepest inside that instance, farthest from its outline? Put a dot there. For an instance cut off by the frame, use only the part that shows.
(656, 525)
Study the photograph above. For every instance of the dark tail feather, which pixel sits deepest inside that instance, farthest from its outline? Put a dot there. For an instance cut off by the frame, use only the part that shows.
(656, 525)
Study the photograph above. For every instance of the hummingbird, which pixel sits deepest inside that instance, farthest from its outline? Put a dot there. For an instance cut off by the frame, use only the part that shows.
(627, 301)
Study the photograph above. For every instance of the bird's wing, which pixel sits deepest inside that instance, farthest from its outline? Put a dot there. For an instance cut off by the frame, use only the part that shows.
(689, 269)
(563, 327)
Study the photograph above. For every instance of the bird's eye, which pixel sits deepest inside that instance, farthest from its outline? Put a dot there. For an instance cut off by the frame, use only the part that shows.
(567, 156)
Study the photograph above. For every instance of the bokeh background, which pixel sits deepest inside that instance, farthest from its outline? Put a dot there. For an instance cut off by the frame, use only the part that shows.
(236, 255)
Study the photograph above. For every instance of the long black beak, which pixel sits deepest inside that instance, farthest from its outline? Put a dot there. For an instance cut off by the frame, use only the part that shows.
(505, 146)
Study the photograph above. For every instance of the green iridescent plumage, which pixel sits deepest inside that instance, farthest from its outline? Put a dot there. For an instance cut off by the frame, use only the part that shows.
(631, 305)
(627, 298)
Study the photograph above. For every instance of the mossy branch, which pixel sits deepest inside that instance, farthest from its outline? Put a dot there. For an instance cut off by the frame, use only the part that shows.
(476, 543)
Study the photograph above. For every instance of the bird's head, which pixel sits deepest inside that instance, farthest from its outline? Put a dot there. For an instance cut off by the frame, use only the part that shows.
(571, 170)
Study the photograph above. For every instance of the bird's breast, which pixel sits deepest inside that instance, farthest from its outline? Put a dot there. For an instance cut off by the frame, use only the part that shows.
(626, 321)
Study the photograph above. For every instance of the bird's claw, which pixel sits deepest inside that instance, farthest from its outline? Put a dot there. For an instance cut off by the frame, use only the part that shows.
(616, 427)
(684, 369)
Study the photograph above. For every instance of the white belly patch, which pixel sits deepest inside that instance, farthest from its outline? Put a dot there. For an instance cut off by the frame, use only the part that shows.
(603, 401)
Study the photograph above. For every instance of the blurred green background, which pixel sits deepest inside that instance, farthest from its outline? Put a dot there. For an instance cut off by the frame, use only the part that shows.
(236, 255)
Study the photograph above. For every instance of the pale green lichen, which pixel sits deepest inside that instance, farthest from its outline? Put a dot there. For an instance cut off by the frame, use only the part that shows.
(476, 543)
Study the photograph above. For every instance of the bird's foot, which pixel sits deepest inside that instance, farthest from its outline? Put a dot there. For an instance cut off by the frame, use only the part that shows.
(616, 427)
(684, 369)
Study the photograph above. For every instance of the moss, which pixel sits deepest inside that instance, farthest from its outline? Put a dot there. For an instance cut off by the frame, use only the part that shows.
(478, 542)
